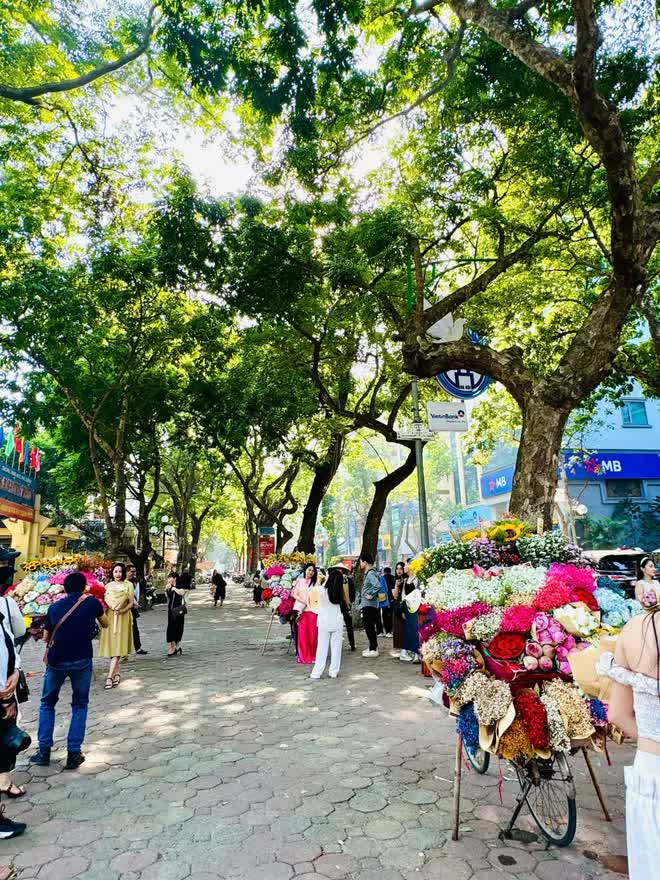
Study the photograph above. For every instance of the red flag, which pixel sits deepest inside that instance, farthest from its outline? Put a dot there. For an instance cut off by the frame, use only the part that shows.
(37, 461)
(33, 457)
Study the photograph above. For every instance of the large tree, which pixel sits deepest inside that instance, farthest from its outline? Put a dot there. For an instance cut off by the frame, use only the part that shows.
(579, 93)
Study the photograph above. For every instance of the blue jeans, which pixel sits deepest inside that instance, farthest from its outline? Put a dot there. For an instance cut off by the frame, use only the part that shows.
(80, 673)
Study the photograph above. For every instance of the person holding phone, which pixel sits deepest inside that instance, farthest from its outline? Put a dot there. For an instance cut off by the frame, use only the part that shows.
(176, 590)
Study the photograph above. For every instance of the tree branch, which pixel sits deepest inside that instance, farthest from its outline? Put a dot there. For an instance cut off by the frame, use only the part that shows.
(31, 94)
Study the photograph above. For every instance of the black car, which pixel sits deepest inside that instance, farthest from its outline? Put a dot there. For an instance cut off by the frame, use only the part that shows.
(619, 566)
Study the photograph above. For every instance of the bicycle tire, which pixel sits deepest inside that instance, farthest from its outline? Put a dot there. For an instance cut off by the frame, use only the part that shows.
(479, 761)
(545, 799)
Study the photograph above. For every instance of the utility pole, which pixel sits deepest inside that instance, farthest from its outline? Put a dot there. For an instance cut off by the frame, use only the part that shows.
(419, 457)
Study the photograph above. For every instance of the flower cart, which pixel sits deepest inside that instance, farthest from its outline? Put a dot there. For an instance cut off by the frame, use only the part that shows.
(519, 620)
(277, 595)
(43, 585)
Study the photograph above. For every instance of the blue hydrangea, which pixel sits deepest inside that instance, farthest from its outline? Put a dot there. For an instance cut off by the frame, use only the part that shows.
(468, 726)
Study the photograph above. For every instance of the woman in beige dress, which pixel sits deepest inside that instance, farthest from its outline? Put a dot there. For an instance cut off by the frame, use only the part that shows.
(117, 638)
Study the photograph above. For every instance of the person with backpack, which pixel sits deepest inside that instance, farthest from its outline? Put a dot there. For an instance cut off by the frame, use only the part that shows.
(69, 630)
(330, 625)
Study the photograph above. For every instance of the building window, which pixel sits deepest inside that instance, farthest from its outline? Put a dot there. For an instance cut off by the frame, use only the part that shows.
(634, 414)
(623, 488)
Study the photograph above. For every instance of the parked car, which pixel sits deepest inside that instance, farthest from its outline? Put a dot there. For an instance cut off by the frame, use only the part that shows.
(619, 566)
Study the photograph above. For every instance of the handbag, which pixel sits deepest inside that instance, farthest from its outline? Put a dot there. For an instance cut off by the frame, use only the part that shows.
(178, 611)
(22, 692)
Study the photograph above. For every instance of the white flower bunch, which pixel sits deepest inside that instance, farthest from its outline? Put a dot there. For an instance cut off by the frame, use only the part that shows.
(492, 590)
(523, 578)
(455, 589)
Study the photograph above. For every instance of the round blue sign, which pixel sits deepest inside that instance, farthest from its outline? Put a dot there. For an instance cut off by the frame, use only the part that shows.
(462, 383)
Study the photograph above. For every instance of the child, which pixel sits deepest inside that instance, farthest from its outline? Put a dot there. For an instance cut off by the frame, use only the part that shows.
(330, 625)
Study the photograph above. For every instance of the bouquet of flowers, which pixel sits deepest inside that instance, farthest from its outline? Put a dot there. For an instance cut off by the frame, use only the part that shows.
(500, 636)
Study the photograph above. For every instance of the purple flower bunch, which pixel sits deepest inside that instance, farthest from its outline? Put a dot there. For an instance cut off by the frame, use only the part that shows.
(452, 649)
(486, 552)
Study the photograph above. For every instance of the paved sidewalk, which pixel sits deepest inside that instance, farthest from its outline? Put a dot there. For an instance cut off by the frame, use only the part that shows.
(224, 764)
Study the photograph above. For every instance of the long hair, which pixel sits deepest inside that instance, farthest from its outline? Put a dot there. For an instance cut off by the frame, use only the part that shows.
(401, 565)
(123, 570)
(640, 567)
(651, 614)
(335, 586)
(314, 577)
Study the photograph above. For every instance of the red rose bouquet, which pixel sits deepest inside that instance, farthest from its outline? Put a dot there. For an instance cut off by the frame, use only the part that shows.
(507, 646)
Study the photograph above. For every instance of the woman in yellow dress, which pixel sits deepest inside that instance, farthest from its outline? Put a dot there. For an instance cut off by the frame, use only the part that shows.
(117, 638)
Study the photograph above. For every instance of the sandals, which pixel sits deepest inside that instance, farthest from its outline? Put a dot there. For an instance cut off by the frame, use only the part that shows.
(116, 679)
(14, 791)
(108, 686)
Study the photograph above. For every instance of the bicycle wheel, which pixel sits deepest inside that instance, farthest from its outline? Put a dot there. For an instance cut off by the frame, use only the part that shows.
(479, 761)
(551, 797)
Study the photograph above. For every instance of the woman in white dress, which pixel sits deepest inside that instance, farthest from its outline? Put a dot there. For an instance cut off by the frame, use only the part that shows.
(330, 624)
(646, 578)
(634, 706)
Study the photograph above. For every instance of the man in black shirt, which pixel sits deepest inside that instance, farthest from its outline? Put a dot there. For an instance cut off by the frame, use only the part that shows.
(69, 631)
(138, 586)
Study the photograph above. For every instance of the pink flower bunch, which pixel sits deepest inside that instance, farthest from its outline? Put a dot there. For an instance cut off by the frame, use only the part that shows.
(518, 619)
(552, 595)
(280, 590)
(431, 628)
(551, 645)
(452, 621)
(571, 576)
(44, 599)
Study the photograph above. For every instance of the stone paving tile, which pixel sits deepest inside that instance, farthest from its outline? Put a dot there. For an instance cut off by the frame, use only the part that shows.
(226, 765)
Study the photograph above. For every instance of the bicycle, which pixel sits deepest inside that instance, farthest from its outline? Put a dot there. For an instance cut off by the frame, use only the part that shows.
(547, 787)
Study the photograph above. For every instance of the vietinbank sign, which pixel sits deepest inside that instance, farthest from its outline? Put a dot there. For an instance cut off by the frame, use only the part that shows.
(613, 466)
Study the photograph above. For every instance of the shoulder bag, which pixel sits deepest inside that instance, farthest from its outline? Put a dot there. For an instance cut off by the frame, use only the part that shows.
(181, 610)
(51, 638)
(22, 692)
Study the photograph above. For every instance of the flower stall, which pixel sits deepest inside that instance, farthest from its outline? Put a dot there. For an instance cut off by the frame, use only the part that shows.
(43, 584)
(277, 596)
(514, 618)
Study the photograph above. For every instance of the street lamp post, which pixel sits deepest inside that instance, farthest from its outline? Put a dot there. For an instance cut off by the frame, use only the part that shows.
(164, 521)
(421, 483)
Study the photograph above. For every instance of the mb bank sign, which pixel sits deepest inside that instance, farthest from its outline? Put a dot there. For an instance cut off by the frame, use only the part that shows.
(599, 466)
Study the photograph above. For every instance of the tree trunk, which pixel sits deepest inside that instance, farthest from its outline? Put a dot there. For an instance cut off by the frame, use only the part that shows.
(537, 466)
(324, 473)
(283, 535)
(195, 532)
(382, 489)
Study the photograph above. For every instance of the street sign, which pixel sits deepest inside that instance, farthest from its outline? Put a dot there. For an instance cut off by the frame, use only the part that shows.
(471, 518)
(17, 493)
(444, 416)
(266, 546)
(414, 431)
(462, 383)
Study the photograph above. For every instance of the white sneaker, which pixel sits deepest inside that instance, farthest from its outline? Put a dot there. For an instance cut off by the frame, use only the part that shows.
(315, 677)
(395, 654)
(333, 674)
(406, 656)
(369, 653)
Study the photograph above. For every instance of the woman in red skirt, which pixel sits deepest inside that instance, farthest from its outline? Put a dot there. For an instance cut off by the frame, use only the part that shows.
(304, 593)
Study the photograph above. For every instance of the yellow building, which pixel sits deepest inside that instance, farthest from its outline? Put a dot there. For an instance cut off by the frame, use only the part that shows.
(37, 538)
